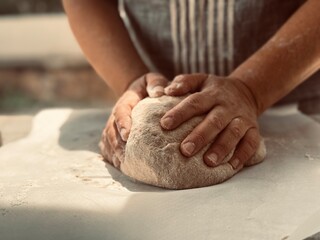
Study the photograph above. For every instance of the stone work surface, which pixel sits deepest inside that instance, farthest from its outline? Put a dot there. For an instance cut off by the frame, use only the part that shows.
(54, 185)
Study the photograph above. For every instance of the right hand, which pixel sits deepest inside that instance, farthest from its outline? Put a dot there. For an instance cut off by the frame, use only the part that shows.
(118, 126)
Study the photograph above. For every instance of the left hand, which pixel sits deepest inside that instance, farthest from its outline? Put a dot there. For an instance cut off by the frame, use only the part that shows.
(118, 126)
(231, 117)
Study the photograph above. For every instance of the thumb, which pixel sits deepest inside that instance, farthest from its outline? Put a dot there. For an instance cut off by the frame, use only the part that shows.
(185, 83)
(156, 83)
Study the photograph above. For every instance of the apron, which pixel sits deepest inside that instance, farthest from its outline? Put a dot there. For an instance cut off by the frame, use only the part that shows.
(209, 36)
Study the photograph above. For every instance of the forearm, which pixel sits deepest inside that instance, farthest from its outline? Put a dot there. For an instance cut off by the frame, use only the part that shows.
(286, 60)
(105, 41)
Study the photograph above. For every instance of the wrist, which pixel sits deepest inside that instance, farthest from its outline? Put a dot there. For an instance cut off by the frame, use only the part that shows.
(129, 81)
(250, 94)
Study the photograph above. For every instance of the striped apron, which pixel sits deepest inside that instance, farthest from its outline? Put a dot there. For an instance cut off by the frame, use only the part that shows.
(209, 36)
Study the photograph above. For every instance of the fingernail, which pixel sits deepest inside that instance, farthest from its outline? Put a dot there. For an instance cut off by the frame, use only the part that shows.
(177, 78)
(188, 147)
(123, 134)
(156, 91)
(176, 85)
(168, 90)
(235, 163)
(213, 158)
(167, 122)
(172, 87)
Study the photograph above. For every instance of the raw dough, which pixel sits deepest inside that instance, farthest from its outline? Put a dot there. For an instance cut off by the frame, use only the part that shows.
(152, 154)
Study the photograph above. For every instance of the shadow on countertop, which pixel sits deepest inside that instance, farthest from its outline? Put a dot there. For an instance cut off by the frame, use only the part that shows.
(82, 130)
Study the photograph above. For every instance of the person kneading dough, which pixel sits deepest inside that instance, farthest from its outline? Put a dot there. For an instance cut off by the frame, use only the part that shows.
(204, 76)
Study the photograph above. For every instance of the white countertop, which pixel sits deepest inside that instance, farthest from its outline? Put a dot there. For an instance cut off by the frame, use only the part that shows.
(53, 185)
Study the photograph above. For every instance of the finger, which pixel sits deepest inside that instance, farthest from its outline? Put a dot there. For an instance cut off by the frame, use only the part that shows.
(122, 113)
(225, 142)
(110, 156)
(206, 131)
(183, 84)
(106, 149)
(116, 144)
(156, 84)
(119, 146)
(246, 148)
(193, 105)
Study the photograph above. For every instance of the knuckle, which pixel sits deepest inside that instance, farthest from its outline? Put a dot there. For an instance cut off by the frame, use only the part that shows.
(177, 114)
(221, 148)
(179, 78)
(237, 121)
(121, 115)
(116, 112)
(194, 102)
(244, 154)
(111, 139)
(122, 123)
(215, 122)
(252, 144)
(184, 84)
(252, 139)
(199, 138)
(108, 133)
(114, 143)
(118, 147)
(247, 151)
(235, 132)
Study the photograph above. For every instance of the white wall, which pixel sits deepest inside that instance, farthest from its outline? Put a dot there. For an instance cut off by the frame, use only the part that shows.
(38, 38)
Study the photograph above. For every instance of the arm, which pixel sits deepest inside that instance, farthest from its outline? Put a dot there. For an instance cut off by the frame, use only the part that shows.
(232, 103)
(104, 40)
(286, 60)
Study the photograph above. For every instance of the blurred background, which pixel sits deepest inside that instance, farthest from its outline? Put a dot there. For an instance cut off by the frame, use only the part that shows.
(41, 66)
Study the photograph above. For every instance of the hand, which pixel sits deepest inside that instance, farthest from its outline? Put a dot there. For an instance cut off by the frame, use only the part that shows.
(231, 117)
(118, 125)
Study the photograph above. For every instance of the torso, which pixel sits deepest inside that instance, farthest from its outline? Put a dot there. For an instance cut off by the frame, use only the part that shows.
(212, 36)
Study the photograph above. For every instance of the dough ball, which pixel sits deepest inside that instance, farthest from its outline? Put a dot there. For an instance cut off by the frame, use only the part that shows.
(152, 154)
